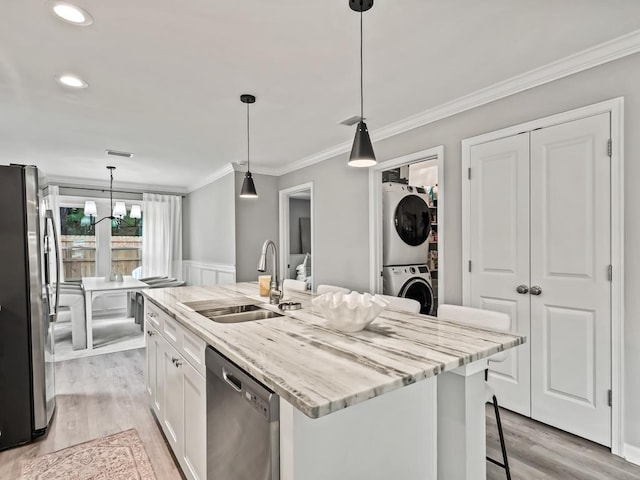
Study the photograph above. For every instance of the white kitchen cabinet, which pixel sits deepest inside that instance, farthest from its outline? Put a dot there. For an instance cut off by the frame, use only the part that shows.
(177, 392)
(173, 407)
(194, 396)
(154, 380)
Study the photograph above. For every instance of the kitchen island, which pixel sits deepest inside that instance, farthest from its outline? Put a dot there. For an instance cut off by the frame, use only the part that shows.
(382, 403)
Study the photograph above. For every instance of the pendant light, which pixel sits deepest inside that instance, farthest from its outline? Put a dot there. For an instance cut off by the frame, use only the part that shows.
(362, 151)
(118, 210)
(248, 187)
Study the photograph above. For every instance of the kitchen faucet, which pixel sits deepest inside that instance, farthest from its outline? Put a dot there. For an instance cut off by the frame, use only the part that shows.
(275, 294)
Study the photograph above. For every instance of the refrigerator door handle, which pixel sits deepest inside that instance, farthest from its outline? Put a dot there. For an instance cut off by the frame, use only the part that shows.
(56, 247)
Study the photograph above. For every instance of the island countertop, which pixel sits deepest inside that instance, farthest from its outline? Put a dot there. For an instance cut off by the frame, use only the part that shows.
(320, 370)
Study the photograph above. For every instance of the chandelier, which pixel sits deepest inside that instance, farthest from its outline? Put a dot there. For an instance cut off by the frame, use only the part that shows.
(118, 209)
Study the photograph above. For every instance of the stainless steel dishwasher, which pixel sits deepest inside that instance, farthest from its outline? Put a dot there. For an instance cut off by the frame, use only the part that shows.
(243, 424)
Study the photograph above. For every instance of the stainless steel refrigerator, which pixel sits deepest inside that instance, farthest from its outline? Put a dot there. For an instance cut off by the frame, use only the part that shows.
(29, 279)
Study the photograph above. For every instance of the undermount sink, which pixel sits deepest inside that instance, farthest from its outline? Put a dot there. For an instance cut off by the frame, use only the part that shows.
(232, 313)
(259, 314)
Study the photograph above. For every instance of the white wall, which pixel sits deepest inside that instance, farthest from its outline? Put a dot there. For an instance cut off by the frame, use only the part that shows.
(256, 221)
(341, 194)
(340, 220)
(208, 223)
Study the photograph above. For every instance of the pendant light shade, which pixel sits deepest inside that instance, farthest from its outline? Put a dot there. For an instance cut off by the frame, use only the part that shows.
(119, 210)
(90, 208)
(248, 187)
(362, 151)
(136, 212)
(362, 154)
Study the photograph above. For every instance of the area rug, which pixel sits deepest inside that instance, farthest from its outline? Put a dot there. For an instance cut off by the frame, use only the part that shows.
(116, 457)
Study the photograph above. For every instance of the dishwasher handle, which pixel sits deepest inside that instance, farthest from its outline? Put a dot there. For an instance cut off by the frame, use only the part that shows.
(231, 380)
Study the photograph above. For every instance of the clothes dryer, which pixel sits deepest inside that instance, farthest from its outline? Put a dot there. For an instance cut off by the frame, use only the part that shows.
(410, 281)
(406, 224)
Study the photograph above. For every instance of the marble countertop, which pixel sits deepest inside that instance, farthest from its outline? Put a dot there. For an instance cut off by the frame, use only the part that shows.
(319, 370)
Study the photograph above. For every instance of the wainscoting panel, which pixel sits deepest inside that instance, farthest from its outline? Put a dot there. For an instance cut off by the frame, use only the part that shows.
(201, 273)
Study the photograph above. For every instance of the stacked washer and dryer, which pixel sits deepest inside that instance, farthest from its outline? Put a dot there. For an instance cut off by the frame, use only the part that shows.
(406, 227)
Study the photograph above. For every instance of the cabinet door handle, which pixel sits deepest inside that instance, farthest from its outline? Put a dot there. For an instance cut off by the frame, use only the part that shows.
(150, 333)
(174, 360)
(536, 290)
(152, 315)
(522, 289)
(177, 363)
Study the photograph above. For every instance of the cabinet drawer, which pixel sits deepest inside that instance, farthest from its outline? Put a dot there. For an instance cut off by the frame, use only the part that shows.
(153, 315)
(193, 348)
(172, 332)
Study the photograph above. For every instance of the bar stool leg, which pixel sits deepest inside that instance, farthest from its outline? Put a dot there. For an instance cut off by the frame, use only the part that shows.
(504, 465)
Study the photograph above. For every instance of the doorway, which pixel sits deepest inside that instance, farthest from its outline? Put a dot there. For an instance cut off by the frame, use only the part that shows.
(296, 234)
(406, 198)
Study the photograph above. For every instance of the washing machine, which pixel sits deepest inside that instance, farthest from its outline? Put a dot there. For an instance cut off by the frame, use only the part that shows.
(410, 281)
(406, 224)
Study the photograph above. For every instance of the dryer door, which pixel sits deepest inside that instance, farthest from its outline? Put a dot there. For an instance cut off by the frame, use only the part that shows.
(412, 220)
(419, 289)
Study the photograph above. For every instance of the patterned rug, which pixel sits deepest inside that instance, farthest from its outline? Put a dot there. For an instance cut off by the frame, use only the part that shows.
(116, 457)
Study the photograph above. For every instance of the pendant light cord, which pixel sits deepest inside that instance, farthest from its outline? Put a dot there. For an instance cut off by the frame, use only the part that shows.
(247, 137)
(361, 69)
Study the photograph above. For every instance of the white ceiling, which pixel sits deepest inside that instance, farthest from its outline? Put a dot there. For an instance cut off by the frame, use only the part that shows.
(165, 76)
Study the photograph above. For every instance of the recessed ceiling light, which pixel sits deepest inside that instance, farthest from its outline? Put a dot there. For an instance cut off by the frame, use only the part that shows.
(72, 81)
(71, 13)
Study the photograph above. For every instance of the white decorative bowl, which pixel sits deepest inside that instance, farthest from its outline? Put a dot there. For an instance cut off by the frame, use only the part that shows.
(349, 312)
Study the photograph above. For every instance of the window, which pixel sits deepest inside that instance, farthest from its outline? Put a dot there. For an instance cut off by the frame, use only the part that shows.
(78, 244)
(126, 245)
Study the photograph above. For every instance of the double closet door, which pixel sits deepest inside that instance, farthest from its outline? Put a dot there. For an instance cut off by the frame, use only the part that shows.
(540, 250)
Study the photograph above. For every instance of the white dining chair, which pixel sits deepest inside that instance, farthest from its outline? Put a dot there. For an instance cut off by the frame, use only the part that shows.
(401, 304)
(322, 289)
(484, 319)
(72, 300)
(297, 285)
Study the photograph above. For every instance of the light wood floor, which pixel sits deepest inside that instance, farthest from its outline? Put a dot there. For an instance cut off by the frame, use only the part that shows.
(98, 396)
(110, 335)
(102, 395)
(539, 452)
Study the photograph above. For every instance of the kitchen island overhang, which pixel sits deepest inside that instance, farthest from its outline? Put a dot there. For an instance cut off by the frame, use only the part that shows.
(317, 372)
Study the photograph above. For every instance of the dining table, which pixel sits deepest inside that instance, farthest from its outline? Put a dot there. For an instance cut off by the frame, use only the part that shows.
(95, 286)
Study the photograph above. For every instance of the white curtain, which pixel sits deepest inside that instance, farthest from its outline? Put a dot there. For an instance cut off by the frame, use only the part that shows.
(161, 235)
(52, 202)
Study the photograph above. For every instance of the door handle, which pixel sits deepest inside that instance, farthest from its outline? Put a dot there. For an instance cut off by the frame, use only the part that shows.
(536, 290)
(522, 289)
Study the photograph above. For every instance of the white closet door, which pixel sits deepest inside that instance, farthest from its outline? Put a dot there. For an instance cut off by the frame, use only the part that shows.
(499, 239)
(570, 256)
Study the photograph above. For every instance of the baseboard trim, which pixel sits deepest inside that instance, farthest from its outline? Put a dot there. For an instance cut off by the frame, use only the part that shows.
(631, 453)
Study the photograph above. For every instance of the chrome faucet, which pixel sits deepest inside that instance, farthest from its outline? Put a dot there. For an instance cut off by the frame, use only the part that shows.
(275, 294)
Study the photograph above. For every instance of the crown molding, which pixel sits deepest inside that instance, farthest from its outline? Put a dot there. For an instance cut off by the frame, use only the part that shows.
(78, 182)
(591, 57)
(217, 175)
(260, 170)
(226, 170)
